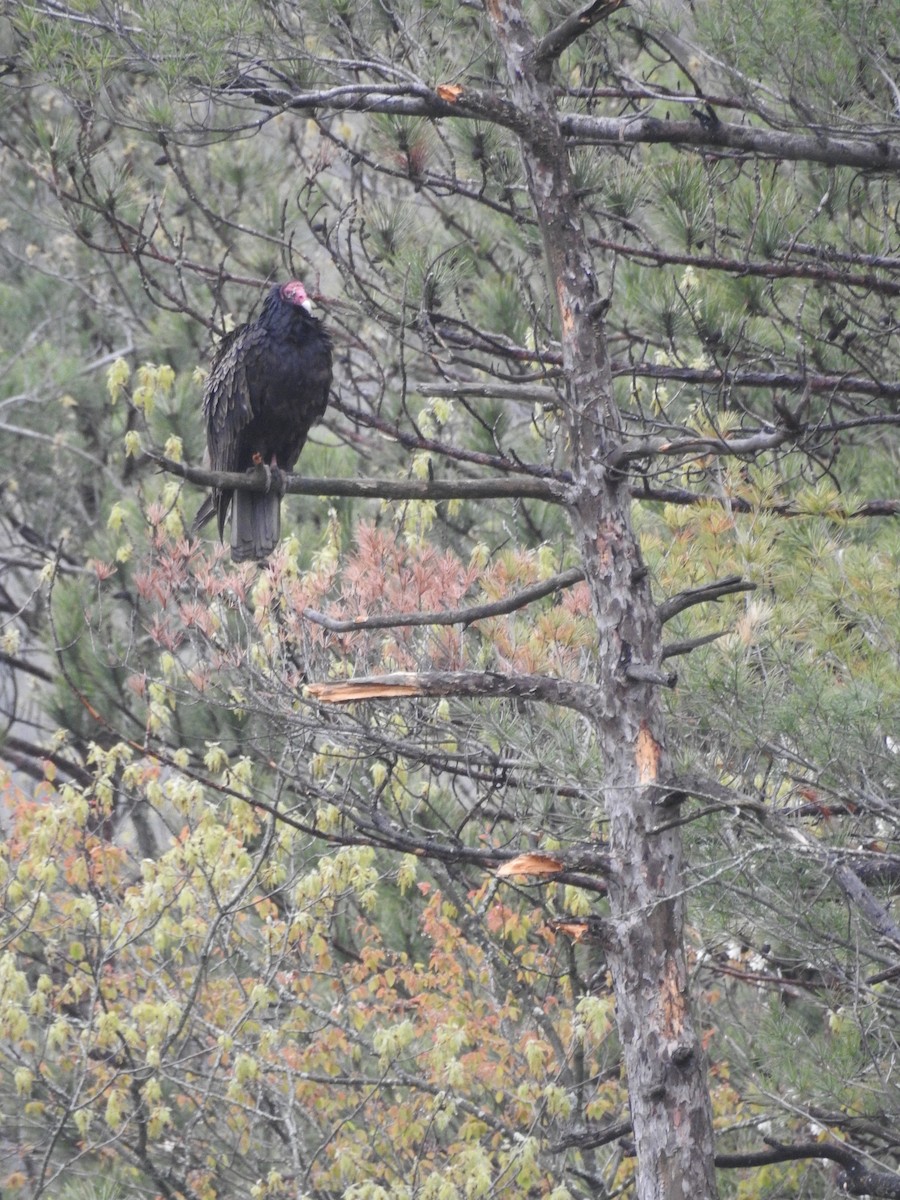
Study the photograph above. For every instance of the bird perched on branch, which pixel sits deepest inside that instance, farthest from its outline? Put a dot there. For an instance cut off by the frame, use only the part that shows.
(267, 386)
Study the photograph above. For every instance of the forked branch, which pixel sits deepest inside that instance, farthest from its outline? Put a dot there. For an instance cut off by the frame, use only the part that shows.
(569, 30)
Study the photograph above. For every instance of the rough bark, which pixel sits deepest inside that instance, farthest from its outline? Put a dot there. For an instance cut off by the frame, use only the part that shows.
(669, 1099)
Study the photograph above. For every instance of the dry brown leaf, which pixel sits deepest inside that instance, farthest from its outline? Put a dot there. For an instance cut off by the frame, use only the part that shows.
(531, 864)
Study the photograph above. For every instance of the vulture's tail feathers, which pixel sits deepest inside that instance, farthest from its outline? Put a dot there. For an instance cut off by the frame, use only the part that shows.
(205, 512)
(255, 525)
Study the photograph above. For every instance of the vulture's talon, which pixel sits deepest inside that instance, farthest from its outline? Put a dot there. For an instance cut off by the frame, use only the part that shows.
(259, 464)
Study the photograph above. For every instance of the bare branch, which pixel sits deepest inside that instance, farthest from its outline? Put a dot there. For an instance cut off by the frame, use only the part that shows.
(702, 595)
(457, 616)
(861, 897)
(741, 377)
(765, 270)
(523, 393)
(674, 649)
(592, 1137)
(552, 491)
(847, 879)
(569, 30)
(798, 381)
(875, 149)
(640, 673)
(414, 441)
(372, 489)
(653, 446)
(855, 1180)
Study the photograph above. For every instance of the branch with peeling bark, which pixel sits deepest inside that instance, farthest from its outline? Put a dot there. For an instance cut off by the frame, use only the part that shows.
(582, 697)
(585, 698)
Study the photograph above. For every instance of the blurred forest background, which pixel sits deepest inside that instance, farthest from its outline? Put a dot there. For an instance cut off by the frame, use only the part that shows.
(253, 943)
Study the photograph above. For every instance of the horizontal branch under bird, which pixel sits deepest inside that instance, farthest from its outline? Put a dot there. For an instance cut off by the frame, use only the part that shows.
(521, 487)
(552, 491)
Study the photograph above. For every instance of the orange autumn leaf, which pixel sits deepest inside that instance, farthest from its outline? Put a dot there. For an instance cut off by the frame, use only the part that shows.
(530, 864)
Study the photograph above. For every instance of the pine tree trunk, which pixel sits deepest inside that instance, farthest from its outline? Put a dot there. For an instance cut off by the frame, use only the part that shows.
(664, 1060)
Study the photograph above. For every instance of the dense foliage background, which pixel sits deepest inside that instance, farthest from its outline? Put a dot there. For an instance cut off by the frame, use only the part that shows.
(254, 943)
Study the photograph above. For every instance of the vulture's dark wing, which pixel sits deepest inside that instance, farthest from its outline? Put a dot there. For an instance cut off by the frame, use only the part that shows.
(227, 405)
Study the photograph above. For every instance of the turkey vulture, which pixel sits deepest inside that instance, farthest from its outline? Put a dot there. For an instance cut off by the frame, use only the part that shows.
(267, 386)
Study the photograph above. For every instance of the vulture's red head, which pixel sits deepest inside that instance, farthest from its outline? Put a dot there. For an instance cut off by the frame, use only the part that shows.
(294, 292)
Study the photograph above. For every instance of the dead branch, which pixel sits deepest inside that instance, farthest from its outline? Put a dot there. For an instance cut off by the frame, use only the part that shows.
(453, 616)
(701, 595)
